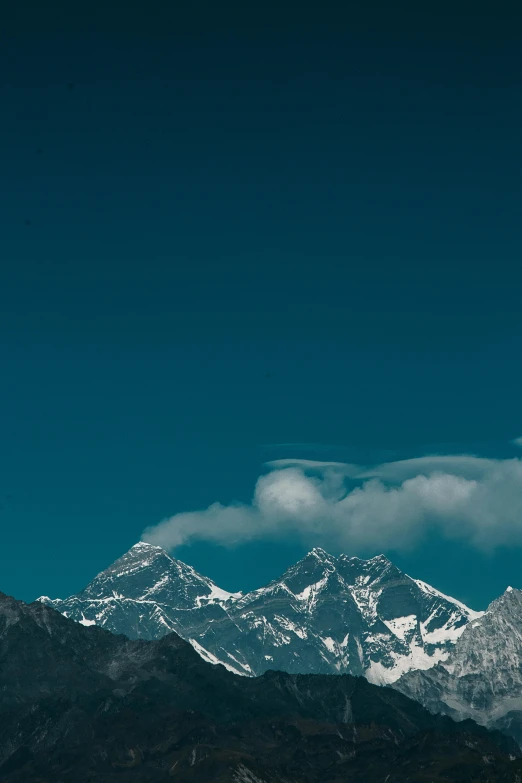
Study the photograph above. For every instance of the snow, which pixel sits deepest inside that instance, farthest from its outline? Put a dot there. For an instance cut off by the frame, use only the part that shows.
(84, 621)
(244, 775)
(320, 554)
(216, 595)
(417, 659)
(379, 559)
(142, 547)
(165, 579)
(446, 633)
(210, 658)
(387, 648)
(310, 593)
(162, 620)
(366, 598)
(245, 666)
(402, 626)
(329, 643)
(432, 591)
(290, 626)
(305, 595)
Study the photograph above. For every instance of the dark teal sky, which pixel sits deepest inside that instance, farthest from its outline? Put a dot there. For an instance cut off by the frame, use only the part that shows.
(231, 233)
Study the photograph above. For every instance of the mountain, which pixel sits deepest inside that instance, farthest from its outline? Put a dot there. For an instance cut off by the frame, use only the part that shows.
(79, 704)
(482, 676)
(144, 594)
(324, 615)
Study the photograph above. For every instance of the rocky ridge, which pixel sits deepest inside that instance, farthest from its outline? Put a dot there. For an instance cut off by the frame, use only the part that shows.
(81, 704)
(324, 615)
(482, 676)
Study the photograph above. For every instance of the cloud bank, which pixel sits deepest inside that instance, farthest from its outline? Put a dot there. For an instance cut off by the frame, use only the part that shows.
(355, 508)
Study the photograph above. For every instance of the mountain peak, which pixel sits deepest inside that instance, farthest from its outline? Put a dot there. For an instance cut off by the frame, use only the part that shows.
(379, 559)
(145, 546)
(140, 555)
(142, 549)
(376, 559)
(510, 601)
(320, 554)
(317, 560)
(324, 614)
(153, 586)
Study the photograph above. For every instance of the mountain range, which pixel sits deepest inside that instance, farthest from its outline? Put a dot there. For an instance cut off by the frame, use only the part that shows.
(79, 704)
(325, 615)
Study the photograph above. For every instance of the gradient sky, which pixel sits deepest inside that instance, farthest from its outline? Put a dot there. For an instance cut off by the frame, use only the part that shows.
(232, 233)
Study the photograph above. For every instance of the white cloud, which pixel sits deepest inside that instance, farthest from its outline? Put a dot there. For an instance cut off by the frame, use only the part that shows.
(391, 505)
(287, 493)
(517, 441)
(464, 465)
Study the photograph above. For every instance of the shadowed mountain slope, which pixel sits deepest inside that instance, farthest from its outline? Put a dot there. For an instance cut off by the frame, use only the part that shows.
(81, 704)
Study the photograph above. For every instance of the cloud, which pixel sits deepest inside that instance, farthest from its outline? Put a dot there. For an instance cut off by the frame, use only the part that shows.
(517, 441)
(352, 508)
(463, 465)
(345, 468)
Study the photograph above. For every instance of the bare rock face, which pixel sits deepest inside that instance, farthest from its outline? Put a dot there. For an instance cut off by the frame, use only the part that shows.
(79, 704)
(324, 615)
(482, 677)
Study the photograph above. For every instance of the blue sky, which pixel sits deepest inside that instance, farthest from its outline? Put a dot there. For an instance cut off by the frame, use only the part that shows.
(236, 236)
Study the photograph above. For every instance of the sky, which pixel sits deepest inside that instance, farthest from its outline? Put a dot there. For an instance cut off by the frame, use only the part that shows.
(238, 234)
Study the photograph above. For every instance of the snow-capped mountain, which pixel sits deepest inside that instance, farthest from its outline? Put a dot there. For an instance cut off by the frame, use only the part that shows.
(324, 615)
(144, 594)
(482, 676)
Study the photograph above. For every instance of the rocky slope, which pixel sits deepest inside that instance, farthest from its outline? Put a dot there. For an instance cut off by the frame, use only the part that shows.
(144, 594)
(482, 677)
(324, 615)
(79, 704)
